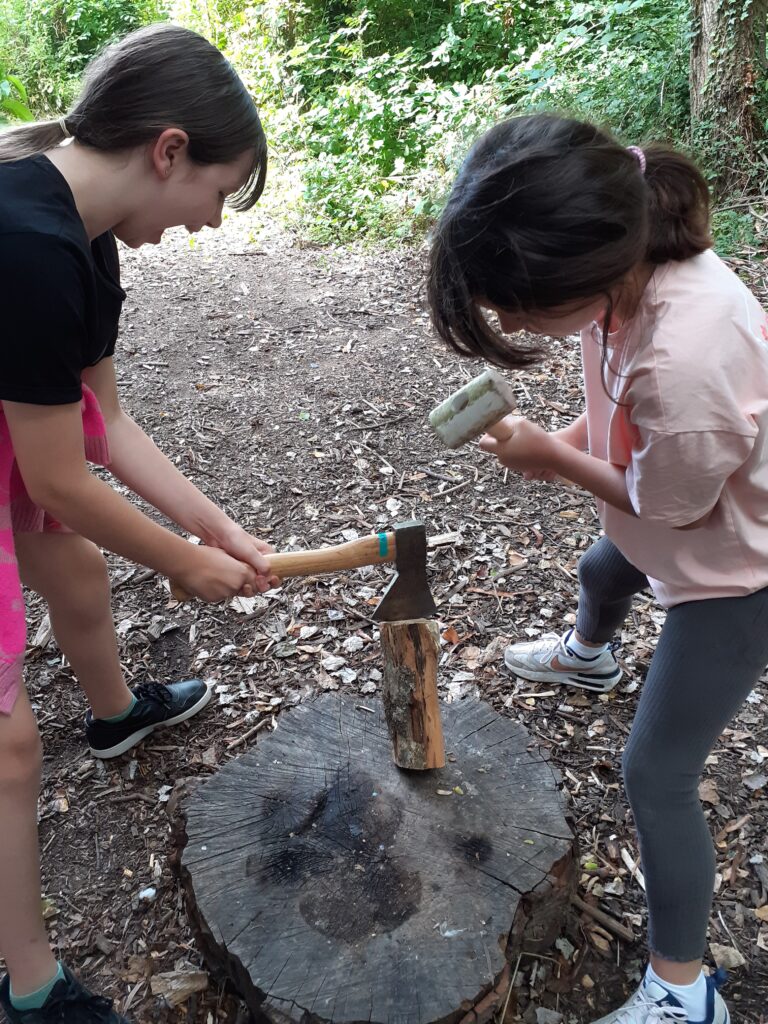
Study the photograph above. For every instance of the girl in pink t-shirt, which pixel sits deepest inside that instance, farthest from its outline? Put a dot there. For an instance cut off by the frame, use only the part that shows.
(554, 228)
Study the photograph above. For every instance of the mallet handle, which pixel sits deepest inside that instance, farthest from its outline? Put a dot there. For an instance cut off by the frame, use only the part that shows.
(380, 547)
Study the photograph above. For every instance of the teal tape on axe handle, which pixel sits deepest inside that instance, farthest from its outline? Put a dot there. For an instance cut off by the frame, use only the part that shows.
(383, 545)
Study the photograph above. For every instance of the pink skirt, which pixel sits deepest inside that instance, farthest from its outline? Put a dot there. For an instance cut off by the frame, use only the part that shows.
(19, 514)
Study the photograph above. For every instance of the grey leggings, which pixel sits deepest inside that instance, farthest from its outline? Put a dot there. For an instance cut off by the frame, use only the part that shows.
(709, 656)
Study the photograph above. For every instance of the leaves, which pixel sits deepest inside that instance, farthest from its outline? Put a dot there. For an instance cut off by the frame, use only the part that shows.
(13, 96)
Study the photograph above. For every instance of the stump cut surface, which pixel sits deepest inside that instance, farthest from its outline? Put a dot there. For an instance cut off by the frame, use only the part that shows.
(328, 883)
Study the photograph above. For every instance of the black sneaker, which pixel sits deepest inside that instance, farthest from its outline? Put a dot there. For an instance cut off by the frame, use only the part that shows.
(68, 1003)
(157, 705)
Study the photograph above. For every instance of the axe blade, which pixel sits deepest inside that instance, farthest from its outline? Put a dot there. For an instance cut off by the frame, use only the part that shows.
(408, 595)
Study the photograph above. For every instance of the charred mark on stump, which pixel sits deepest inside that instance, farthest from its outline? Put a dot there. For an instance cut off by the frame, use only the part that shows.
(338, 853)
(289, 865)
(474, 848)
(372, 897)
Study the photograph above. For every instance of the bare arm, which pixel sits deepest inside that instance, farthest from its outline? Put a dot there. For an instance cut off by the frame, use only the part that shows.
(575, 434)
(602, 479)
(138, 462)
(525, 447)
(49, 448)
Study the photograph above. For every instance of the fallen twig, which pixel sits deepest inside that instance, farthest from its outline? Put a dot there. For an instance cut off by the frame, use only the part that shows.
(618, 929)
(247, 735)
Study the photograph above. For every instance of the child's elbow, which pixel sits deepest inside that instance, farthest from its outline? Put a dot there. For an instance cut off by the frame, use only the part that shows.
(55, 493)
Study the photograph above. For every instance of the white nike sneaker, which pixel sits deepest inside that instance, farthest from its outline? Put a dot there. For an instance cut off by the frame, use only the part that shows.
(653, 1004)
(550, 660)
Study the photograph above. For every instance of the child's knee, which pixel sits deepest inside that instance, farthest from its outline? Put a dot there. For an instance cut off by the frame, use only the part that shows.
(85, 591)
(653, 784)
(93, 570)
(644, 777)
(589, 570)
(21, 752)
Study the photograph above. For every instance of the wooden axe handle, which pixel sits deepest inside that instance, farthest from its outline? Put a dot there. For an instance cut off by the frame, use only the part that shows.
(380, 547)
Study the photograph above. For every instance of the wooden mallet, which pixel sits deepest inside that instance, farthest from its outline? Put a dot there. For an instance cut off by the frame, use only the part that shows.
(471, 410)
(468, 412)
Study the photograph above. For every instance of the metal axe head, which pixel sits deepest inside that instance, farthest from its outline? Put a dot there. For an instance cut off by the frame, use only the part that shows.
(408, 596)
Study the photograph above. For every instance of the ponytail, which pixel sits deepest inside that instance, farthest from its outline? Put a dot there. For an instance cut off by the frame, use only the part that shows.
(31, 139)
(678, 206)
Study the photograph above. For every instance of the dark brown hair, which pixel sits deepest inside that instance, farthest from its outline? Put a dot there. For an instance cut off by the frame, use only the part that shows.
(547, 211)
(159, 77)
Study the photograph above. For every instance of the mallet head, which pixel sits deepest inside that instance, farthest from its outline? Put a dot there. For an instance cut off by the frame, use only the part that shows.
(468, 412)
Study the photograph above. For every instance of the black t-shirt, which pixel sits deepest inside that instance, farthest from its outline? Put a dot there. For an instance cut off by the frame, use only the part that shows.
(60, 295)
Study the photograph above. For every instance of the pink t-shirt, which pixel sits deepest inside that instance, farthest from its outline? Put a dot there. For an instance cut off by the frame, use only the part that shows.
(691, 372)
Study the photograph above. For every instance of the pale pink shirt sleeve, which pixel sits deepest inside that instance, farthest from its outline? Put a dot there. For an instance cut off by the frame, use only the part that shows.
(680, 401)
(688, 396)
(676, 478)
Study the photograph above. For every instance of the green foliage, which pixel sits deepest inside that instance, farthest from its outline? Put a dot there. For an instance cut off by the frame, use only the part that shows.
(48, 43)
(369, 105)
(386, 95)
(624, 64)
(734, 232)
(13, 98)
(382, 97)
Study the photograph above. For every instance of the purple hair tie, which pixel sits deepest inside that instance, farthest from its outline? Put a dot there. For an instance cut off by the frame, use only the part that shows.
(639, 155)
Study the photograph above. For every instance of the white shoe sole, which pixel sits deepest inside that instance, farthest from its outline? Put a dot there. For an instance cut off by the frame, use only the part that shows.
(135, 738)
(583, 680)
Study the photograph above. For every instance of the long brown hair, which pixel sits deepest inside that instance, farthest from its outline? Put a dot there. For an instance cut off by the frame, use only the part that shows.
(158, 77)
(548, 211)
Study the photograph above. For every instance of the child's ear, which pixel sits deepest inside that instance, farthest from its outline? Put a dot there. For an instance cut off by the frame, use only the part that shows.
(168, 150)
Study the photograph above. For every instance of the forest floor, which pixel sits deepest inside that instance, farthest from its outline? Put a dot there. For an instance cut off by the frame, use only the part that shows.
(292, 385)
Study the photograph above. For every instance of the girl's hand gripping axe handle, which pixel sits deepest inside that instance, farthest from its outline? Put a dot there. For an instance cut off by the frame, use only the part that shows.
(405, 545)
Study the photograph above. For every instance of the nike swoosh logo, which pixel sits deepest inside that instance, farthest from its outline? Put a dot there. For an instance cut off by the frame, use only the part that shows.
(559, 667)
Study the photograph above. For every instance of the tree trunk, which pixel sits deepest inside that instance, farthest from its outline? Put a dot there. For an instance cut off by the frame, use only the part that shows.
(328, 885)
(728, 66)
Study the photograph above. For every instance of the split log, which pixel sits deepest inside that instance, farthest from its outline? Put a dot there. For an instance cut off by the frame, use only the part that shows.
(411, 649)
(329, 886)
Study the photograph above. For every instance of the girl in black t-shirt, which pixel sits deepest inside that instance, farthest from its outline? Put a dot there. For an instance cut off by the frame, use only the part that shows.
(163, 133)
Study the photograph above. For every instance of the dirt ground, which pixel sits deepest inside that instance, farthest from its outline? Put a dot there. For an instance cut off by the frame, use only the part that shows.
(292, 385)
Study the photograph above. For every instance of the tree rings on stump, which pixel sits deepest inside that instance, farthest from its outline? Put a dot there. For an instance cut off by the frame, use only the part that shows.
(330, 885)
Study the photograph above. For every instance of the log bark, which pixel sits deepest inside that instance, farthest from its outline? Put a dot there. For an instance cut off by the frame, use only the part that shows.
(411, 649)
(327, 885)
(727, 70)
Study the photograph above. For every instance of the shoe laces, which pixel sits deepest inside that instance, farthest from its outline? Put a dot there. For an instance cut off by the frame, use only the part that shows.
(77, 1006)
(544, 643)
(645, 1010)
(153, 691)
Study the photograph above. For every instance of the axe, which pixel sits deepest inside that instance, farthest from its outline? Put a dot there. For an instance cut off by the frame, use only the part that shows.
(406, 597)
(409, 635)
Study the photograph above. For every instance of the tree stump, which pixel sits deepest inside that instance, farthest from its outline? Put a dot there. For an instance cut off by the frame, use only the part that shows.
(329, 885)
(411, 649)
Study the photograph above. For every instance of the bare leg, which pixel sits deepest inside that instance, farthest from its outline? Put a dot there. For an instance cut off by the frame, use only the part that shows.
(23, 939)
(70, 573)
(587, 643)
(675, 973)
